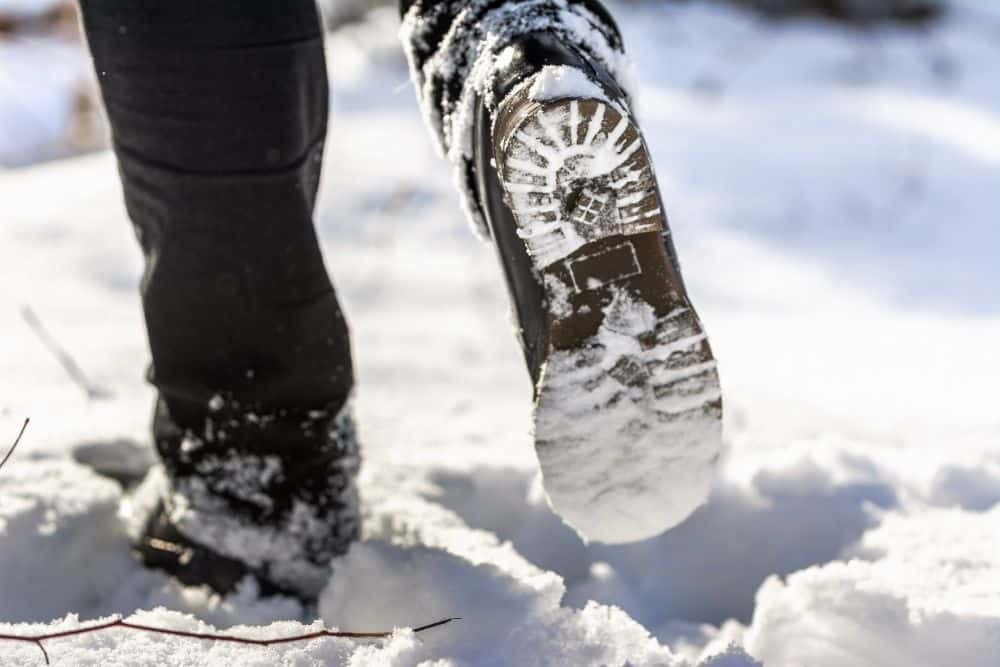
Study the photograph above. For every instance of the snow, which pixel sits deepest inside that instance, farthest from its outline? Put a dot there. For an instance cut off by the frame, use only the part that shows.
(36, 103)
(919, 603)
(833, 200)
(559, 81)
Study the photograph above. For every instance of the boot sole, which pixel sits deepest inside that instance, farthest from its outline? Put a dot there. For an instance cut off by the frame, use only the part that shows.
(628, 412)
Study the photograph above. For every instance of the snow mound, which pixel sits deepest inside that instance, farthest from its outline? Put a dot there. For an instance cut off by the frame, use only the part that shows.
(930, 599)
(57, 517)
(379, 581)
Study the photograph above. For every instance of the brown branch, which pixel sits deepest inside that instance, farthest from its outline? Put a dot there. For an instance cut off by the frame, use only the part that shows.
(121, 623)
(17, 440)
(45, 654)
(64, 358)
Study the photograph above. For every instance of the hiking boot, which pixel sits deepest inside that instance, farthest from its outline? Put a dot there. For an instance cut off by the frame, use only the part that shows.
(628, 408)
(280, 520)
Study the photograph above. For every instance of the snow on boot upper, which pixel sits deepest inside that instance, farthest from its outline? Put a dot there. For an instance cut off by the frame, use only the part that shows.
(628, 407)
(161, 546)
(280, 520)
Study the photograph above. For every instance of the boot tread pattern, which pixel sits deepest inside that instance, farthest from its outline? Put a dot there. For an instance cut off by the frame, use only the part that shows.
(628, 406)
(576, 172)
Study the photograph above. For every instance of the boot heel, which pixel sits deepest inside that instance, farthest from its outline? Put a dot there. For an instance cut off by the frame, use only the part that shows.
(575, 171)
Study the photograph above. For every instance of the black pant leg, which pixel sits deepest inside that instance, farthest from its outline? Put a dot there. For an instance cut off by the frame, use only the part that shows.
(218, 112)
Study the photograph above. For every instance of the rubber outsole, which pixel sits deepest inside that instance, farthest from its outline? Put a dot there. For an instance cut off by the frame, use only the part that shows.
(628, 414)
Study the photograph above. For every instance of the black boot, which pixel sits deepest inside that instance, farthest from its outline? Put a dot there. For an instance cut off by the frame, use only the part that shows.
(218, 111)
(627, 400)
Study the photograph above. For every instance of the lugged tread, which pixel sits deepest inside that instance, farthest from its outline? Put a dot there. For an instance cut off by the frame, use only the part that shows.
(628, 405)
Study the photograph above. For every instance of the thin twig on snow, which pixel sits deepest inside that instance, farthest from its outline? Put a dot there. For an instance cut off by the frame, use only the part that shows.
(122, 623)
(17, 440)
(64, 358)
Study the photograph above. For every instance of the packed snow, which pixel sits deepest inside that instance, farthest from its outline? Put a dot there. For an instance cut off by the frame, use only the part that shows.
(833, 198)
(559, 81)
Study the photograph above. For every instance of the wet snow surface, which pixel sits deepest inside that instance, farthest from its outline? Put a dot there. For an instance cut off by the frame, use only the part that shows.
(833, 199)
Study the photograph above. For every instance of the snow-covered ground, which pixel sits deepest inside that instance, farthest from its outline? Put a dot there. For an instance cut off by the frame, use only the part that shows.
(39, 77)
(834, 198)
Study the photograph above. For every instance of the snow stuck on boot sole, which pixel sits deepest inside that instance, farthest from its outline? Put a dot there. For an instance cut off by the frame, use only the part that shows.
(628, 414)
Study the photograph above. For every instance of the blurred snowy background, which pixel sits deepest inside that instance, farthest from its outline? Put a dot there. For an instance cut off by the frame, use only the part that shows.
(832, 173)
